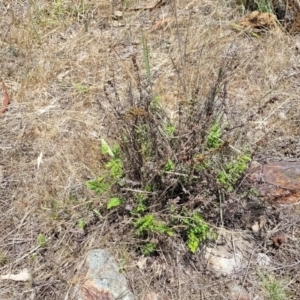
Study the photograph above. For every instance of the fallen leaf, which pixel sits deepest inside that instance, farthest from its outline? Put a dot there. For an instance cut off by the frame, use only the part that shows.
(6, 98)
(22, 276)
(255, 227)
(142, 262)
(279, 240)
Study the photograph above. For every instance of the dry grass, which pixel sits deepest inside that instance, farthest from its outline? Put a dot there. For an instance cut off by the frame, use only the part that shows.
(55, 58)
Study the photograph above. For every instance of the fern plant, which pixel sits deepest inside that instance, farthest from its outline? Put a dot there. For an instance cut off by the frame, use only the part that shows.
(141, 203)
(99, 185)
(214, 136)
(233, 171)
(114, 172)
(113, 202)
(148, 248)
(197, 231)
(148, 224)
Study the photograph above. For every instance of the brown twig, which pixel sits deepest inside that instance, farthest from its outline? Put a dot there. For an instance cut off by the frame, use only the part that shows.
(6, 98)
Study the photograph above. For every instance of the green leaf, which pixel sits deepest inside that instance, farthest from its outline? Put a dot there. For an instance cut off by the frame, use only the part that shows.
(144, 224)
(98, 185)
(169, 166)
(149, 224)
(116, 167)
(113, 202)
(233, 172)
(148, 248)
(193, 242)
(81, 223)
(197, 231)
(105, 149)
(214, 136)
(146, 56)
(169, 129)
(41, 240)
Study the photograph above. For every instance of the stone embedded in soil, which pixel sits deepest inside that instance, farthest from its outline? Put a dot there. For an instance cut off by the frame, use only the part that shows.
(222, 262)
(238, 293)
(276, 181)
(230, 257)
(99, 278)
(262, 260)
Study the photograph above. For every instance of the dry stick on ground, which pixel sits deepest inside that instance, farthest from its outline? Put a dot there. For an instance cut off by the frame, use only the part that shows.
(248, 267)
(6, 98)
(180, 49)
(153, 5)
(161, 23)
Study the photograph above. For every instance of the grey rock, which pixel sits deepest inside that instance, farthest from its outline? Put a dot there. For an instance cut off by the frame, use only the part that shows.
(238, 293)
(228, 258)
(223, 262)
(99, 278)
(262, 259)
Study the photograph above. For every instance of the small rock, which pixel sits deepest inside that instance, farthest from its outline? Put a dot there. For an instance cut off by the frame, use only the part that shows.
(229, 258)
(151, 296)
(118, 13)
(223, 262)
(262, 259)
(99, 278)
(255, 227)
(238, 293)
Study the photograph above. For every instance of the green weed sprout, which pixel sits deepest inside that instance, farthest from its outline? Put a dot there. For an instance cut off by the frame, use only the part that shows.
(148, 224)
(98, 185)
(41, 240)
(148, 249)
(3, 259)
(214, 136)
(146, 56)
(264, 6)
(114, 202)
(141, 200)
(169, 166)
(198, 231)
(81, 223)
(233, 172)
(275, 289)
(113, 169)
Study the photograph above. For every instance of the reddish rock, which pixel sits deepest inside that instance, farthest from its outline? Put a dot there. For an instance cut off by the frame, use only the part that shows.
(276, 181)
